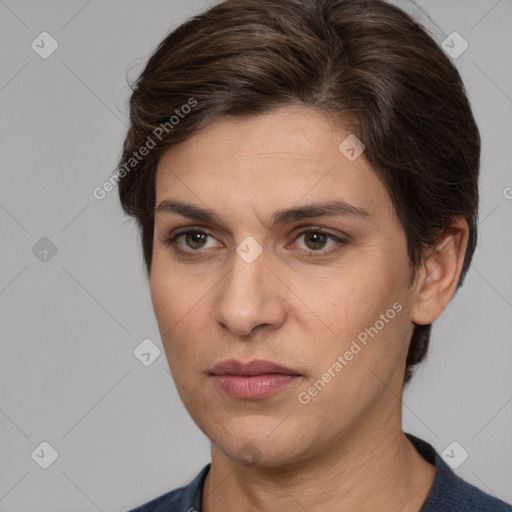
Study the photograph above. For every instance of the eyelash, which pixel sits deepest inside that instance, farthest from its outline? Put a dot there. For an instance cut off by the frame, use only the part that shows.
(171, 241)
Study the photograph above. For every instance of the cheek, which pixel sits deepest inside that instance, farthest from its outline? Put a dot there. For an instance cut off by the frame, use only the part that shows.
(355, 371)
(164, 296)
(182, 311)
(172, 295)
(366, 311)
(171, 303)
(352, 301)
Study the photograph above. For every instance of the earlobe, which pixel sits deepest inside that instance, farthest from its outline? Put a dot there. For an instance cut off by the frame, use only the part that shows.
(439, 273)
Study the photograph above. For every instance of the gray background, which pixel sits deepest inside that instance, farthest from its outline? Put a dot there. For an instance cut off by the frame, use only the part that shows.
(68, 375)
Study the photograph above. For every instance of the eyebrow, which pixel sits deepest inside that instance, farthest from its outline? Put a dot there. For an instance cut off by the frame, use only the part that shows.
(327, 209)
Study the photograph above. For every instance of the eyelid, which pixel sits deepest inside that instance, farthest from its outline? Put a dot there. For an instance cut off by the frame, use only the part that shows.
(326, 231)
(298, 229)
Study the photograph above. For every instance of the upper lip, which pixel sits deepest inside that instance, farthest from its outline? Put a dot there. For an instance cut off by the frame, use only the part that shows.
(255, 367)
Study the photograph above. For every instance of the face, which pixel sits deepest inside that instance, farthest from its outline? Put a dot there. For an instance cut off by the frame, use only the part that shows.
(271, 245)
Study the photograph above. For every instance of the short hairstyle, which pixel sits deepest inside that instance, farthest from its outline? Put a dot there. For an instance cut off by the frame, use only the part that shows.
(365, 63)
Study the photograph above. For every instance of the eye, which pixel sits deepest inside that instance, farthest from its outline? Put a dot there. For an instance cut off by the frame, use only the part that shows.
(315, 240)
(195, 239)
(312, 242)
(318, 243)
(191, 240)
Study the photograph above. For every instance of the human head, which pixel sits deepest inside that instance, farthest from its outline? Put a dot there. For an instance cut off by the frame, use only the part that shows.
(364, 63)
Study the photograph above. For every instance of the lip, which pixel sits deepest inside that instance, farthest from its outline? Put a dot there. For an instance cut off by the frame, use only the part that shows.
(254, 380)
(254, 367)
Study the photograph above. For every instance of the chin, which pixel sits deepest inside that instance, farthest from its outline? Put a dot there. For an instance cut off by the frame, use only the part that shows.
(259, 454)
(256, 447)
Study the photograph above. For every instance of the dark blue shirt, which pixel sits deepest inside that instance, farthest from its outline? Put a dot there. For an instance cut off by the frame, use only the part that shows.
(449, 493)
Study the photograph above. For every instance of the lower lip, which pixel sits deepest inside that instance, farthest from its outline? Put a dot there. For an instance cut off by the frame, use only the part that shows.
(254, 386)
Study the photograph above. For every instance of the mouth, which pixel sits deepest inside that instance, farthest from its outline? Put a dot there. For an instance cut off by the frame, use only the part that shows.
(255, 367)
(254, 380)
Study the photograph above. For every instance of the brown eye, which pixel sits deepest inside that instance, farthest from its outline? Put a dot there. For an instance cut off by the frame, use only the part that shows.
(314, 240)
(192, 242)
(195, 239)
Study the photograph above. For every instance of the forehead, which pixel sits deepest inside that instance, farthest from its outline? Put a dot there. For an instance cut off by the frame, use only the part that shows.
(288, 133)
(279, 158)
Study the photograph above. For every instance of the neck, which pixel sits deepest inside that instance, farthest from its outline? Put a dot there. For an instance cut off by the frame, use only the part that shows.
(368, 469)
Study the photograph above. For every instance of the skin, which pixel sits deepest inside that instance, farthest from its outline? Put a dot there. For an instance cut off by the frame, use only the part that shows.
(344, 450)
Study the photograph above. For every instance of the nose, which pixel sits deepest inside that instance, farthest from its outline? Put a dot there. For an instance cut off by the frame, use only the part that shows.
(250, 298)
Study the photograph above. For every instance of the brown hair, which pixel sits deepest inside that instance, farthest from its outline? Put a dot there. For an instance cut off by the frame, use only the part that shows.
(365, 58)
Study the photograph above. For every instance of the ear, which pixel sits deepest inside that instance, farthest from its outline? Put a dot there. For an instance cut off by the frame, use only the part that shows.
(437, 278)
